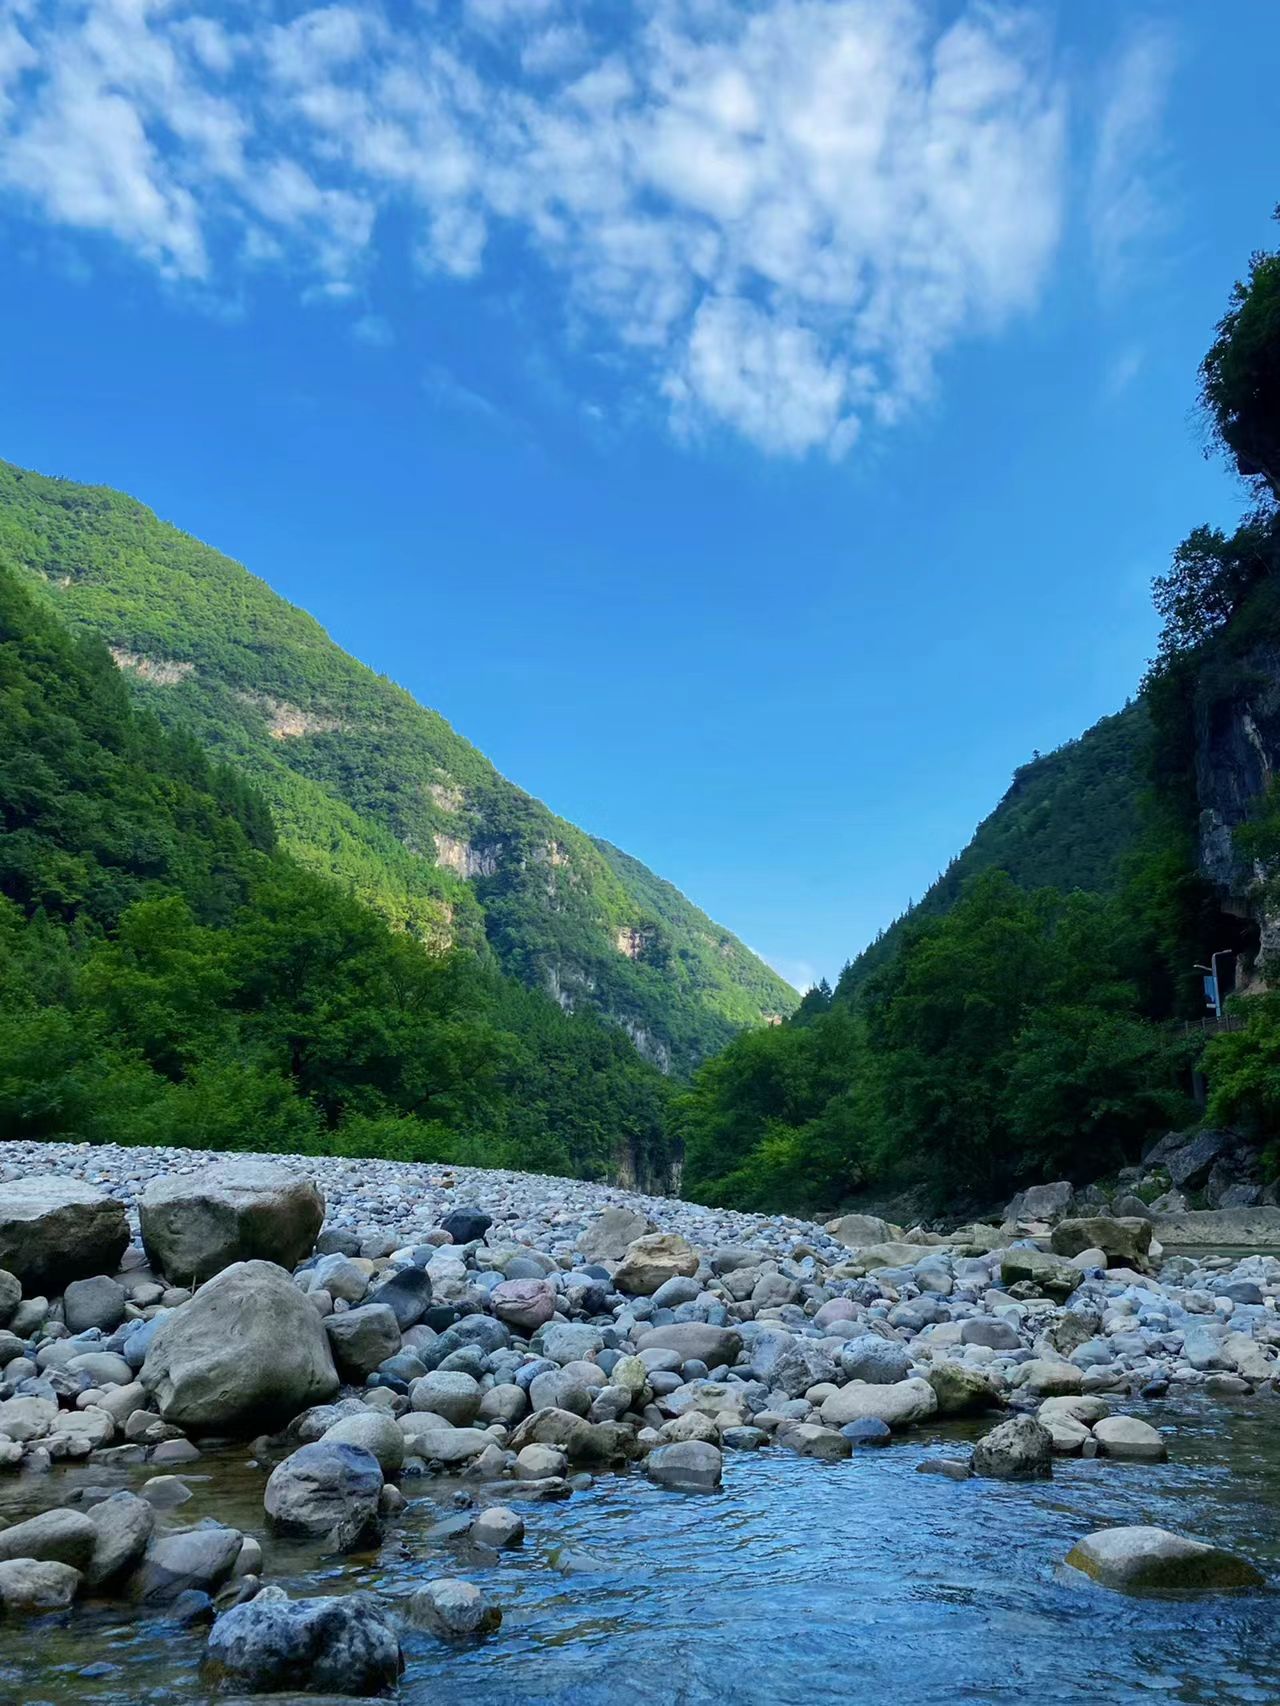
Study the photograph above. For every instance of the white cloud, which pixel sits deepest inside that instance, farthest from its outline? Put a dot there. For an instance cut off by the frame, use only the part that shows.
(776, 216)
(1128, 205)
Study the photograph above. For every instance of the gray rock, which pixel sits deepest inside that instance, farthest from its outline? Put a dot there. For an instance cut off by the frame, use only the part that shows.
(456, 1397)
(1128, 1438)
(54, 1230)
(1125, 1242)
(195, 1225)
(194, 1558)
(569, 1341)
(498, 1528)
(1041, 1202)
(375, 1432)
(877, 1361)
(58, 1536)
(328, 1490)
(10, 1296)
(362, 1339)
(30, 1584)
(454, 1609)
(608, 1236)
(988, 1330)
(897, 1405)
(344, 1642)
(96, 1302)
(1020, 1449)
(1054, 1275)
(690, 1464)
(962, 1391)
(123, 1525)
(855, 1231)
(247, 1350)
(695, 1341)
(1152, 1560)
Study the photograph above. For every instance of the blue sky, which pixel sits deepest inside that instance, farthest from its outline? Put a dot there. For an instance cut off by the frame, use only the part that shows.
(754, 425)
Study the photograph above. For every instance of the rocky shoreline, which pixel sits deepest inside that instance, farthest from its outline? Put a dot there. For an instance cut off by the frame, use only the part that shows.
(361, 1325)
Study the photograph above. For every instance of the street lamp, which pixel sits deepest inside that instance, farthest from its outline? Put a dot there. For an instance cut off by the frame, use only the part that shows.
(1212, 982)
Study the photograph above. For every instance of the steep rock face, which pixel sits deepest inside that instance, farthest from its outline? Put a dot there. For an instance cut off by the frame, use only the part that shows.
(369, 787)
(1237, 753)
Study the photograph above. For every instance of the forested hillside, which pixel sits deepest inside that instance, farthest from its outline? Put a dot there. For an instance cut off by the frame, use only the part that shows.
(169, 974)
(1027, 1019)
(368, 787)
(1067, 821)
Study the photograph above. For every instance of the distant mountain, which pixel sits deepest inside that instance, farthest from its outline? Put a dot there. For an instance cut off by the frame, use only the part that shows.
(1066, 821)
(368, 787)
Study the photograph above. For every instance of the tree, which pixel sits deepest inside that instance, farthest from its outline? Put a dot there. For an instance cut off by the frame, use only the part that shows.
(1240, 374)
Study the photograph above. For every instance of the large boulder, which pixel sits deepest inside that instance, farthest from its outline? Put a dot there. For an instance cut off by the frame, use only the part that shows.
(1152, 1560)
(247, 1350)
(196, 1224)
(897, 1406)
(695, 1341)
(651, 1261)
(856, 1230)
(341, 1644)
(694, 1465)
(1054, 1275)
(1020, 1449)
(30, 1584)
(1124, 1242)
(962, 1391)
(1042, 1202)
(329, 1490)
(57, 1536)
(609, 1234)
(55, 1230)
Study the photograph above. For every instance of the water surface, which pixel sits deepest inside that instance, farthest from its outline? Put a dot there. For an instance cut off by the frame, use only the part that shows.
(798, 1582)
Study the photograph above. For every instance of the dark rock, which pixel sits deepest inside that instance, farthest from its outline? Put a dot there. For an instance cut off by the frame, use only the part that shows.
(54, 1230)
(467, 1225)
(328, 1490)
(346, 1643)
(407, 1294)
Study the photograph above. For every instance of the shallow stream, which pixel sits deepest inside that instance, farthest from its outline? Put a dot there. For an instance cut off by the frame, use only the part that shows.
(798, 1582)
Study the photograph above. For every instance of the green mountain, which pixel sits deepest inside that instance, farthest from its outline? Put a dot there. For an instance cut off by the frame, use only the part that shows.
(369, 788)
(168, 974)
(1067, 821)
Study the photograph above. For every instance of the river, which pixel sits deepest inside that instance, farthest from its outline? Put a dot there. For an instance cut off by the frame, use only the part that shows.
(798, 1582)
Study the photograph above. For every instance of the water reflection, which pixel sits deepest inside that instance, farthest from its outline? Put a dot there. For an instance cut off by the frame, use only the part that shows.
(799, 1581)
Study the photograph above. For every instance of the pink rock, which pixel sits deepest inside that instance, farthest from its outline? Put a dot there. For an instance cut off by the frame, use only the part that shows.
(525, 1304)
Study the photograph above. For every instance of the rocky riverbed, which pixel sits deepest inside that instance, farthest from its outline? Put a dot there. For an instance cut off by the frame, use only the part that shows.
(317, 1418)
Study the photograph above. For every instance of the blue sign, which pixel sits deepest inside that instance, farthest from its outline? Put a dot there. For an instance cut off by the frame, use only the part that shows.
(1211, 991)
